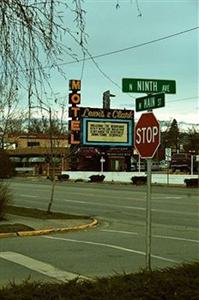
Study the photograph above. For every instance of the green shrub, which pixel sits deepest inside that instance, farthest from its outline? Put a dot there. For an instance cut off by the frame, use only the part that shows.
(5, 199)
(96, 178)
(63, 177)
(180, 283)
(139, 180)
(192, 182)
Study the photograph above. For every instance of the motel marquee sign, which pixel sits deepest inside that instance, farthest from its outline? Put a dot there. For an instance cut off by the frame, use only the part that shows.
(102, 127)
(98, 127)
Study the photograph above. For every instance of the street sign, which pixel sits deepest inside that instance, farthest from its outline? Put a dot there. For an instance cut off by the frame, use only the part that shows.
(136, 85)
(147, 135)
(150, 102)
(168, 154)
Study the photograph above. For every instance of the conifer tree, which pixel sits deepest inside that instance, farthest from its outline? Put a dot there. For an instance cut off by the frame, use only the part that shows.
(173, 136)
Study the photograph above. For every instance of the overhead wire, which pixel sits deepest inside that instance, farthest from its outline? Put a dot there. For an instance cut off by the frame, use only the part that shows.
(93, 57)
(131, 47)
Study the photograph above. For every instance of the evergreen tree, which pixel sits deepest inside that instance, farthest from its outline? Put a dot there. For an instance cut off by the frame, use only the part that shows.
(173, 136)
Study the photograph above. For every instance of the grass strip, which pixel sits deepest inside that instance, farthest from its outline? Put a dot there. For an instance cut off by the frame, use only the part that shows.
(40, 214)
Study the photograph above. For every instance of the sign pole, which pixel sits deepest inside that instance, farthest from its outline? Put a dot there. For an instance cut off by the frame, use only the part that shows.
(167, 174)
(192, 157)
(148, 214)
(148, 217)
(139, 163)
(147, 141)
(102, 160)
(167, 159)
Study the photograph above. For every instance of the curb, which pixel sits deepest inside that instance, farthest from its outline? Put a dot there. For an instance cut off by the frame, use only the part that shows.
(50, 230)
(8, 234)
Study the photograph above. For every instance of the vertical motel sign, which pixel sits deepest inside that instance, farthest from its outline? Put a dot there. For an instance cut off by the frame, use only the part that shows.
(74, 111)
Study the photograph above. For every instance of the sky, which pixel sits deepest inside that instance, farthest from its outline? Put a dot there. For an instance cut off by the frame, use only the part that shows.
(134, 23)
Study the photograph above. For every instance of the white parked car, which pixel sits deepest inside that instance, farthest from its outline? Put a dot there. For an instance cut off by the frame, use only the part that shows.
(164, 164)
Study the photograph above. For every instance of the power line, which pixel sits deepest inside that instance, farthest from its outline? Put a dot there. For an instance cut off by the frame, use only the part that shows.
(132, 47)
(92, 58)
(101, 71)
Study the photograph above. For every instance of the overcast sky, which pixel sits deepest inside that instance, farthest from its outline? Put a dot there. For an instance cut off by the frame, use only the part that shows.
(132, 24)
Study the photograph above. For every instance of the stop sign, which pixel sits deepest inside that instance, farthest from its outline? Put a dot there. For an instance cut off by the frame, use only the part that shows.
(147, 135)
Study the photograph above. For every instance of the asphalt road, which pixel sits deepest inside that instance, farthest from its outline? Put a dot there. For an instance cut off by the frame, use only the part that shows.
(116, 245)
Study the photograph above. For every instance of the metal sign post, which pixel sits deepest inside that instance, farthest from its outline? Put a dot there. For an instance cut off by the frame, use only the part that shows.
(147, 141)
(139, 163)
(148, 216)
(167, 159)
(192, 159)
(102, 160)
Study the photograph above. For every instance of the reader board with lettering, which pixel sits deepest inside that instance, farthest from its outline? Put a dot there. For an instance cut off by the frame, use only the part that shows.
(107, 132)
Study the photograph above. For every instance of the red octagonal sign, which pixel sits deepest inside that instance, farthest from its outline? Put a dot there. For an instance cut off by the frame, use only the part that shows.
(147, 135)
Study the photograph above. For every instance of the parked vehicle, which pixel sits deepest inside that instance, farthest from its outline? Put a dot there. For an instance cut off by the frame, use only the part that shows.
(155, 166)
(141, 166)
(164, 165)
(133, 164)
(181, 161)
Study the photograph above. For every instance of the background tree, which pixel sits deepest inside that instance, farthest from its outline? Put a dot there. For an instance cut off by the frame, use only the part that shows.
(42, 126)
(11, 118)
(172, 136)
(31, 38)
(31, 35)
(191, 141)
(16, 125)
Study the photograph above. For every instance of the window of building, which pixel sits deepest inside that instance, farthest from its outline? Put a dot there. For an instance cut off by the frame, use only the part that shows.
(33, 144)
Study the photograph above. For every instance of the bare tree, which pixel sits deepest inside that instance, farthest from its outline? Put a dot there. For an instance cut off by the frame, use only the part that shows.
(192, 140)
(30, 36)
(10, 116)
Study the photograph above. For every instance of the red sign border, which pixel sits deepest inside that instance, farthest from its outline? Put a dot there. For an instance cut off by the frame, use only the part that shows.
(146, 157)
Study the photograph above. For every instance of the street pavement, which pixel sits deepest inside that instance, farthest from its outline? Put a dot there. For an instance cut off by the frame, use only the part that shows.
(116, 245)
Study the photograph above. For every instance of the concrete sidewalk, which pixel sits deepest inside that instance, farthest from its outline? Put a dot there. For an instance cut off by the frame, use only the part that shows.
(46, 226)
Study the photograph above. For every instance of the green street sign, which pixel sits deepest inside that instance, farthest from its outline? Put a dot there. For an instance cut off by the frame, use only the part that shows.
(150, 102)
(148, 86)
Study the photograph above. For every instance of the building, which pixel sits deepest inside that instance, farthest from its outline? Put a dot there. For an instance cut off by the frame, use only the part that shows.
(32, 153)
